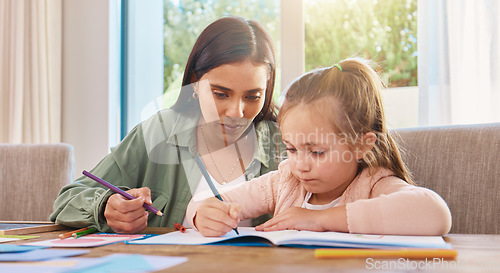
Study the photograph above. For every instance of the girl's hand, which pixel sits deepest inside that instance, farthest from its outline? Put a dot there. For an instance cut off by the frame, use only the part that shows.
(293, 218)
(216, 218)
(128, 216)
(332, 219)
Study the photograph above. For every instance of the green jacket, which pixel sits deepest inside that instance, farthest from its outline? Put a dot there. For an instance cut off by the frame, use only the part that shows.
(158, 154)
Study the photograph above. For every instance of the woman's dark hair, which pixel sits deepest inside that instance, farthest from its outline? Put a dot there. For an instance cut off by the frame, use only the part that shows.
(226, 41)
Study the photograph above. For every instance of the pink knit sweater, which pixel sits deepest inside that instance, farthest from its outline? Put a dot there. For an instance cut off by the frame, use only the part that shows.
(377, 202)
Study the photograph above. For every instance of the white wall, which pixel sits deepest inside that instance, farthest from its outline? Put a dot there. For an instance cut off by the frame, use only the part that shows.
(85, 81)
(401, 106)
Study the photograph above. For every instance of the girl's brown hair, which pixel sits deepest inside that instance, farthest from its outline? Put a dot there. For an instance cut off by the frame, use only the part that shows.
(350, 91)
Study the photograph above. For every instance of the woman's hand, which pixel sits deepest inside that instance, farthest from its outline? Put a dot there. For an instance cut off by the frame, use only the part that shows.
(216, 218)
(128, 216)
(332, 219)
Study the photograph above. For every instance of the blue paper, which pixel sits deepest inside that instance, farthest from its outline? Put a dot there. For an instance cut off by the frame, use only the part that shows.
(122, 263)
(51, 266)
(4, 248)
(128, 263)
(39, 255)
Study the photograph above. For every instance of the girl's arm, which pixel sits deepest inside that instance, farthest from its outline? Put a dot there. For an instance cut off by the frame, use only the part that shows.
(396, 207)
(252, 199)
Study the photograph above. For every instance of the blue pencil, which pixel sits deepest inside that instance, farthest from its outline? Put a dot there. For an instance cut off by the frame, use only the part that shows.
(210, 183)
(122, 192)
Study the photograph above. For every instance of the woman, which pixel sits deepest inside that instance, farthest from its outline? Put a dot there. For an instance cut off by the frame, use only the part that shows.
(224, 114)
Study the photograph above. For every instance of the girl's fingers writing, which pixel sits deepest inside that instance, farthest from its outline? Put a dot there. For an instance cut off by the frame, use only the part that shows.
(215, 218)
(234, 211)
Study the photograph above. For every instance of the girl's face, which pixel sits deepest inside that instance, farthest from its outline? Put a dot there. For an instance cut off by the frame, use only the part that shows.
(322, 160)
(231, 96)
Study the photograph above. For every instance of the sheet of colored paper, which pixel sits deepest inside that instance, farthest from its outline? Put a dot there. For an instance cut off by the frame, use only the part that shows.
(51, 266)
(20, 237)
(10, 238)
(88, 240)
(39, 255)
(5, 248)
(5, 240)
(132, 263)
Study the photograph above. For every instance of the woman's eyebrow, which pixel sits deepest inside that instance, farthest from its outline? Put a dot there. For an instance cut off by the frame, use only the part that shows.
(217, 86)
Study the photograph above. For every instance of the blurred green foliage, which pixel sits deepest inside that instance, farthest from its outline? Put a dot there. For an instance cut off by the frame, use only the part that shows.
(186, 19)
(384, 31)
(381, 30)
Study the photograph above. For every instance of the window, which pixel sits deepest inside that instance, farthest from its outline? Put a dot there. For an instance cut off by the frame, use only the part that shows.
(185, 20)
(381, 30)
(384, 31)
(141, 59)
(306, 34)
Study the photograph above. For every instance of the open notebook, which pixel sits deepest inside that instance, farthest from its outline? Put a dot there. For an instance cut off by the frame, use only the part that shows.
(249, 237)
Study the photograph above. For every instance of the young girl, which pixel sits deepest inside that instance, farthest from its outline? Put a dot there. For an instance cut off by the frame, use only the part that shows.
(343, 173)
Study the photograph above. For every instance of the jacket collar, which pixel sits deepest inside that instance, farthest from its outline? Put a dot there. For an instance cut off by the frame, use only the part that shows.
(183, 134)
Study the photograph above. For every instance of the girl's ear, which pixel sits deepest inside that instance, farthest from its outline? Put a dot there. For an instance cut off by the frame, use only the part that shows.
(367, 144)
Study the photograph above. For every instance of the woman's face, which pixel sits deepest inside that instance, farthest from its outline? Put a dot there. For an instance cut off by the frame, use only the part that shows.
(231, 96)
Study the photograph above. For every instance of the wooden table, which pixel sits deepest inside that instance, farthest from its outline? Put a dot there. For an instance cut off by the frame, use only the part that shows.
(476, 253)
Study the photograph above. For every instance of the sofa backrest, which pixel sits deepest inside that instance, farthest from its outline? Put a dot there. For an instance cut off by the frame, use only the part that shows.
(462, 164)
(31, 176)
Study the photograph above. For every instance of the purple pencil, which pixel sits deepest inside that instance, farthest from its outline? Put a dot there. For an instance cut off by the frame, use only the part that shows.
(122, 192)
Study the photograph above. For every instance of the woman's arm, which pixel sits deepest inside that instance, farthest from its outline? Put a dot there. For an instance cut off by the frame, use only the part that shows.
(83, 202)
